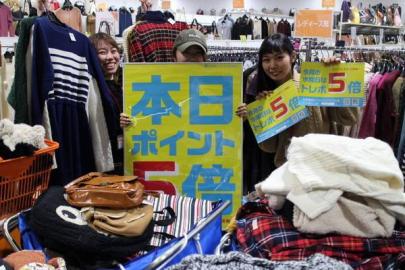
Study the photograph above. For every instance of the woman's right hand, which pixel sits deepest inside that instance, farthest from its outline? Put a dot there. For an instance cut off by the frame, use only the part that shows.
(241, 111)
(263, 94)
(125, 120)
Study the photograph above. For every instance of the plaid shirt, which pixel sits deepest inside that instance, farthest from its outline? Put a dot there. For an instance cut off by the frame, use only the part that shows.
(261, 232)
(153, 42)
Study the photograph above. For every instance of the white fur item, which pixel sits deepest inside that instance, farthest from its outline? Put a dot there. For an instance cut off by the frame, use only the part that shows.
(13, 134)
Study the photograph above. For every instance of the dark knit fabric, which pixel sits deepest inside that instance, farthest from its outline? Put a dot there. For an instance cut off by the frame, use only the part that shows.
(118, 154)
(21, 149)
(70, 236)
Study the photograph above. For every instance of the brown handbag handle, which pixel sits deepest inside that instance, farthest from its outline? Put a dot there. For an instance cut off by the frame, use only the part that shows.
(88, 177)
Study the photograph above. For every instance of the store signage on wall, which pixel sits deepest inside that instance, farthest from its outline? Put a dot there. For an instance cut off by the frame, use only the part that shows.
(166, 4)
(340, 85)
(281, 110)
(313, 23)
(238, 4)
(328, 3)
(185, 135)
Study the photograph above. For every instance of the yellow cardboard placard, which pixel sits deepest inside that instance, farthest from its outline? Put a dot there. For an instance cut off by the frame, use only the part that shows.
(185, 134)
(313, 23)
(339, 85)
(274, 114)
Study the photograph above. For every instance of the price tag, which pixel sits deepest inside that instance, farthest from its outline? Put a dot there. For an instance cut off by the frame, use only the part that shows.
(72, 37)
(340, 85)
(281, 110)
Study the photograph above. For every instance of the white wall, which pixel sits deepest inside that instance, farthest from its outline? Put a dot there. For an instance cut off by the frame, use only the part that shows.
(191, 6)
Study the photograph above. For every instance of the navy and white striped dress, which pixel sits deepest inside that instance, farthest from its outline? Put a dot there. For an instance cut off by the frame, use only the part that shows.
(69, 95)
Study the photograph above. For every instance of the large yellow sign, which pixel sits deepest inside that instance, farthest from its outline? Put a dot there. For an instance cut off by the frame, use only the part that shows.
(186, 137)
(340, 85)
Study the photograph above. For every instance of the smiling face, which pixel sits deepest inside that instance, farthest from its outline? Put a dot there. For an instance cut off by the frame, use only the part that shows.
(278, 66)
(109, 58)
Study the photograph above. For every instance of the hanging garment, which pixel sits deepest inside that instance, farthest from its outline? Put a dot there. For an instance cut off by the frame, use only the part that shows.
(257, 29)
(125, 20)
(6, 21)
(242, 27)
(17, 97)
(152, 39)
(69, 95)
(265, 28)
(386, 117)
(367, 127)
(345, 8)
(70, 17)
(224, 26)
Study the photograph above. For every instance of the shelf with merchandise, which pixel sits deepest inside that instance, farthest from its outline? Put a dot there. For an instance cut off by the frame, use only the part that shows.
(371, 28)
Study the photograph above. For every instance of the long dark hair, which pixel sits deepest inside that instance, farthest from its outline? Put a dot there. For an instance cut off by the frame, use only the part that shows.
(276, 43)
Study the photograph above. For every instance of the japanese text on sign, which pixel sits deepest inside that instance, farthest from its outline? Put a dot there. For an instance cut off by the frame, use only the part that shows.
(314, 23)
(186, 136)
(328, 3)
(340, 85)
(268, 117)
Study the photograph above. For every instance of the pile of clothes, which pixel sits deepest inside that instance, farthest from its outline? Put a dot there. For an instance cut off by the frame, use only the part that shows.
(18, 140)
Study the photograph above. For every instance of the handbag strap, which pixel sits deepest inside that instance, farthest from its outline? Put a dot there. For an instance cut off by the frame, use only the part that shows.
(167, 221)
(107, 27)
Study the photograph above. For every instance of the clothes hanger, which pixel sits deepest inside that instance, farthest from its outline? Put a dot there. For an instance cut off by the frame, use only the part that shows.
(52, 17)
(67, 5)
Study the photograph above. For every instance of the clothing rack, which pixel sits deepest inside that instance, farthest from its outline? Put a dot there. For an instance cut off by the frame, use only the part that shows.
(308, 49)
(356, 49)
(213, 49)
(260, 14)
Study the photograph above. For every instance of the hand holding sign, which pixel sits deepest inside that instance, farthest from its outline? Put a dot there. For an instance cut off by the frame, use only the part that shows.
(278, 111)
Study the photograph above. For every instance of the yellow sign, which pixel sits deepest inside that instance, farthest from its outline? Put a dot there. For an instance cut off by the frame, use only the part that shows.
(340, 85)
(166, 4)
(238, 4)
(314, 23)
(186, 137)
(328, 3)
(281, 110)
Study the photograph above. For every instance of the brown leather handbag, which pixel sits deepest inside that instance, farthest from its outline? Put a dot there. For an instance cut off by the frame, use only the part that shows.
(129, 222)
(103, 190)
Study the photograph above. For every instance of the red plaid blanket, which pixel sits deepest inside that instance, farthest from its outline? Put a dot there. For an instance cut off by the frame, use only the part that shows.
(261, 232)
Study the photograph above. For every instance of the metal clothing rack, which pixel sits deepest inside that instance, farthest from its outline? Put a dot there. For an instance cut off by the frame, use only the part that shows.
(213, 49)
(355, 49)
(309, 49)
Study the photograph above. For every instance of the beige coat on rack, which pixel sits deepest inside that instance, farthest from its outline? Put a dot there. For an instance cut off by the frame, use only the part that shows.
(71, 17)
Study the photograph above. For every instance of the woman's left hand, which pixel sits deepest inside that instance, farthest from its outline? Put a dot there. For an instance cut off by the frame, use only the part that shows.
(125, 121)
(331, 60)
